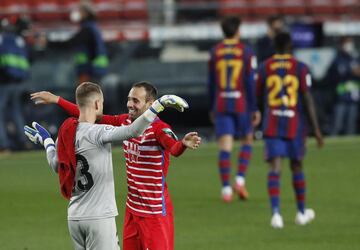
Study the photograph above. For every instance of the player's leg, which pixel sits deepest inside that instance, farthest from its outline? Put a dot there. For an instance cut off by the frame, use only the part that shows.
(77, 235)
(246, 132)
(157, 232)
(101, 234)
(304, 215)
(297, 152)
(274, 150)
(131, 237)
(224, 126)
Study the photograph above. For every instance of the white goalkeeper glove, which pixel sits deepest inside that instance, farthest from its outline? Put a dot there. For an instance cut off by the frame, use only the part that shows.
(38, 134)
(172, 101)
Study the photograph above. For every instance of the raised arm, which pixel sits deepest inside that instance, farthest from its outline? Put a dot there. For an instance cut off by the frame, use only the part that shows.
(39, 135)
(140, 124)
(46, 97)
(169, 141)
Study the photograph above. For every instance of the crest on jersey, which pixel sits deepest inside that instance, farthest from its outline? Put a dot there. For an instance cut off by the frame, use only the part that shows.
(170, 133)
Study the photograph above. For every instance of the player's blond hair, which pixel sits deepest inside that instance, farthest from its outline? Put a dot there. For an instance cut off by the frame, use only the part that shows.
(87, 92)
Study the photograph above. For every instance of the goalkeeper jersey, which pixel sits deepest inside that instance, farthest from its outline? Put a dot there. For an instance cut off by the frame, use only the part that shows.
(93, 196)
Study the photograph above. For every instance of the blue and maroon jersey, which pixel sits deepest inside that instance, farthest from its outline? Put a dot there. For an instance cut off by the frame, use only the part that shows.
(281, 83)
(232, 68)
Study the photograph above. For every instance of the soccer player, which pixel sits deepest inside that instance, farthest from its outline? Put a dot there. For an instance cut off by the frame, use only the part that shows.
(148, 222)
(83, 160)
(283, 87)
(231, 87)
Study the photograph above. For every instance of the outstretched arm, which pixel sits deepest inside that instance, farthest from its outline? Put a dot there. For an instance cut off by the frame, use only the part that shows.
(39, 135)
(46, 97)
(176, 148)
(142, 123)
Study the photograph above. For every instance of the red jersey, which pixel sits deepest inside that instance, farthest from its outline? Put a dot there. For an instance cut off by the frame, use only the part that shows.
(147, 162)
(281, 84)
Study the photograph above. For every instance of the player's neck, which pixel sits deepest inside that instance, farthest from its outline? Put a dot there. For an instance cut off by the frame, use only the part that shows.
(87, 115)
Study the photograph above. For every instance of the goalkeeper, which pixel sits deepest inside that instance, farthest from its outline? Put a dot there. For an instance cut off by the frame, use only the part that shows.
(83, 161)
(149, 219)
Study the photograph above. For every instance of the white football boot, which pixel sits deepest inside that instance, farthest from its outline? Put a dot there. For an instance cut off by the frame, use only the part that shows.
(304, 218)
(227, 194)
(277, 221)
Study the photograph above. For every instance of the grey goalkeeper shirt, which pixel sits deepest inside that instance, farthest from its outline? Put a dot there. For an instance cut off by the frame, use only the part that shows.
(93, 196)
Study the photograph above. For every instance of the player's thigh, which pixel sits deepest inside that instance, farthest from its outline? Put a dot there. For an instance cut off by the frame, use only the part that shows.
(243, 126)
(275, 147)
(77, 235)
(296, 148)
(131, 238)
(157, 233)
(101, 234)
(224, 124)
(225, 131)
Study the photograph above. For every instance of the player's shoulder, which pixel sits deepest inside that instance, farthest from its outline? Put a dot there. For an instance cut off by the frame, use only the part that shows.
(300, 65)
(159, 124)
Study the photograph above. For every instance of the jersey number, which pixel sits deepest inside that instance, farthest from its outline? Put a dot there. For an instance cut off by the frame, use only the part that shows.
(223, 67)
(86, 180)
(276, 83)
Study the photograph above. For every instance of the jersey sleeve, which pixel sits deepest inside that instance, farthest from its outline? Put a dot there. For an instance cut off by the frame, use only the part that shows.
(69, 107)
(135, 129)
(168, 140)
(305, 78)
(250, 83)
(73, 110)
(115, 120)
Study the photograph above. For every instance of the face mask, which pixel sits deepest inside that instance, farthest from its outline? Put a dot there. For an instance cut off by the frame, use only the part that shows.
(349, 48)
(75, 16)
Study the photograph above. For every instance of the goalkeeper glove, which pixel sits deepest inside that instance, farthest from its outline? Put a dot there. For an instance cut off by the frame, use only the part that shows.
(172, 101)
(38, 134)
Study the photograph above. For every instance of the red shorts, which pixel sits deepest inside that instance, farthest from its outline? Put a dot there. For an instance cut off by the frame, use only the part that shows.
(148, 233)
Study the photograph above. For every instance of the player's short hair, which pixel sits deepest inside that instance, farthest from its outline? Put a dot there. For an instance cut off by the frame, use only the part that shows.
(282, 42)
(230, 25)
(85, 92)
(151, 91)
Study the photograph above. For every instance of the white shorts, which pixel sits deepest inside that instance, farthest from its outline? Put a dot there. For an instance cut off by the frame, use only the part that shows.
(100, 234)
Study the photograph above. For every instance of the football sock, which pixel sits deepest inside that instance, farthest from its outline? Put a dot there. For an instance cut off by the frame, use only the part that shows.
(224, 167)
(274, 191)
(299, 188)
(244, 159)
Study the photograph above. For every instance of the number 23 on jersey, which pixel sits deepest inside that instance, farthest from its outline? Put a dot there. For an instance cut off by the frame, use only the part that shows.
(283, 91)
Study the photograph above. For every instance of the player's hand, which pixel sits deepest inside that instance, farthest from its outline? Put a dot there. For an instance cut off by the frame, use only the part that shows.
(44, 97)
(256, 118)
(37, 134)
(319, 138)
(192, 140)
(172, 101)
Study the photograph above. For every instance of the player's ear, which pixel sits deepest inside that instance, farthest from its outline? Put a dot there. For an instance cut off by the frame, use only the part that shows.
(97, 104)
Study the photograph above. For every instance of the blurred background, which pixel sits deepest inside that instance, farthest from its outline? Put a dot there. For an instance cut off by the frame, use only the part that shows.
(166, 42)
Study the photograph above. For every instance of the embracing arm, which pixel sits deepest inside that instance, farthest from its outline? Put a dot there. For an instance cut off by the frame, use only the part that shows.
(140, 124)
(39, 135)
(46, 97)
(176, 148)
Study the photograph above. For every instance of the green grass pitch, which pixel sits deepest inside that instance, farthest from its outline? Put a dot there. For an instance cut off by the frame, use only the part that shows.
(33, 213)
